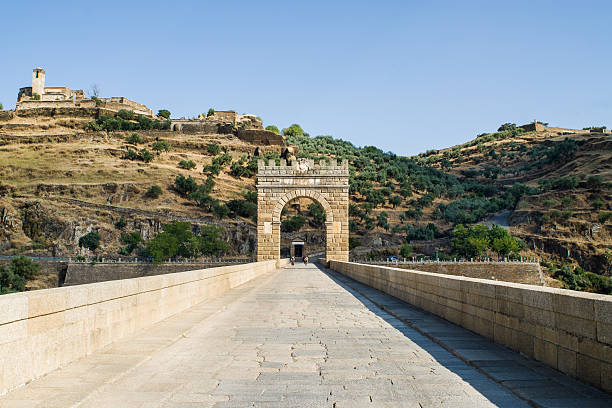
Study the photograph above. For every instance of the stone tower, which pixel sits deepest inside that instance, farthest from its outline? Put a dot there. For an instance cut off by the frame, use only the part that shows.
(38, 81)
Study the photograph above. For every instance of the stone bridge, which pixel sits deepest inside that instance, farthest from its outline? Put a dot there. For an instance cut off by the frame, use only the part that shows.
(267, 334)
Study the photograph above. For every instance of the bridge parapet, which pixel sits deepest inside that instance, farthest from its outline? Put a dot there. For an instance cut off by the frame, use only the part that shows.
(43, 330)
(568, 330)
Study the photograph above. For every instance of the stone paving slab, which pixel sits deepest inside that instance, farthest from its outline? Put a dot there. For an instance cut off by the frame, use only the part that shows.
(304, 337)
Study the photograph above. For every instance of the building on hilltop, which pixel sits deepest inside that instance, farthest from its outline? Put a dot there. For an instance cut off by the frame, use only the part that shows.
(39, 92)
(40, 96)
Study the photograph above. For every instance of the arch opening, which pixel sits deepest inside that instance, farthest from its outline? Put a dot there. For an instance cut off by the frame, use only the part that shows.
(303, 229)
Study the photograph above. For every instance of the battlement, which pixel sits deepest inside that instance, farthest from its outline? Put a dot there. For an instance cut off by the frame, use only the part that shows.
(301, 167)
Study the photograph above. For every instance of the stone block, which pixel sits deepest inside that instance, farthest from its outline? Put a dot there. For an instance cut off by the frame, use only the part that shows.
(588, 369)
(603, 309)
(545, 352)
(566, 361)
(604, 333)
(576, 326)
(46, 302)
(13, 307)
(573, 304)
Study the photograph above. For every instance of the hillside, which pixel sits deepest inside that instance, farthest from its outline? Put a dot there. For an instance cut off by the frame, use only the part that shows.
(60, 180)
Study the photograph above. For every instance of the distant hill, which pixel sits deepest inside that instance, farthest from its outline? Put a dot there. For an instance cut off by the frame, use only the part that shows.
(60, 180)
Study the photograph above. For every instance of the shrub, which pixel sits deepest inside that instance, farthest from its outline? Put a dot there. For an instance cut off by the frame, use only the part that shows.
(475, 240)
(598, 204)
(13, 277)
(317, 213)
(293, 224)
(604, 217)
(395, 200)
(131, 241)
(35, 96)
(354, 243)
(272, 128)
(161, 146)
(142, 155)
(2, 107)
(566, 201)
(91, 240)
(243, 208)
(154, 191)
(187, 164)
(177, 239)
(549, 203)
(185, 185)
(213, 149)
(145, 156)
(382, 220)
(220, 210)
(594, 182)
(134, 139)
(421, 233)
(406, 250)
(125, 114)
(121, 223)
(164, 113)
(210, 112)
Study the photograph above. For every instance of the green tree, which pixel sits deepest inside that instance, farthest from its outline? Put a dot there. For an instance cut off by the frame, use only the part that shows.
(220, 210)
(132, 241)
(210, 112)
(395, 200)
(294, 130)
(211, 242)
(154, 191)
(134, 139)
(382, 220)
(406, 250)
(272, 128)
(161, 146)
(121, 223)
(125, 114)
(243, 208)
(164, 113)
(505, 245)
(187, 164)
(213, 149)
(293, 224)
(91, 240)
(145, 156)
(2, 108)
(317, 213)
(14, 276)
(470, 242)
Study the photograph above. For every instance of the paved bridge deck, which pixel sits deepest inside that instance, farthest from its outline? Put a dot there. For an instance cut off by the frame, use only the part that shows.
(305, 337)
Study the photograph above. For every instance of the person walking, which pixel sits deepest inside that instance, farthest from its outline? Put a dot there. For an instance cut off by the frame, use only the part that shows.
(292, 259)
(305, 260)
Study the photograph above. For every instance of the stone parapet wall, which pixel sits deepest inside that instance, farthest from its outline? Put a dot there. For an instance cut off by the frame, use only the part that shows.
(43, 330)
(84, 273)
(567, 330)
(110, 104)
(528, 273)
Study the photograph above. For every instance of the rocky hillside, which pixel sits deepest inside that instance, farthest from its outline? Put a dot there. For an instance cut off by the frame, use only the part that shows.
(60, 180)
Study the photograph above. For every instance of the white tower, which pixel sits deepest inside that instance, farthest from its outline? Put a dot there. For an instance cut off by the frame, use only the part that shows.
(38, 81)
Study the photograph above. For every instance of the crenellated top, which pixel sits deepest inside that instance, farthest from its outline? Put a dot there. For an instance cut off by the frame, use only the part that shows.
(302, 167)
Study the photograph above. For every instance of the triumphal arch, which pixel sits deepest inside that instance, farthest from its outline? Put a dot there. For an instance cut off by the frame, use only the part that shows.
(326, 184)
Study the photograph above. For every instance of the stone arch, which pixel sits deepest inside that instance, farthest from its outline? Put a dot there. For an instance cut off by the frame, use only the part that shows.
(324, 184)
(314, 195)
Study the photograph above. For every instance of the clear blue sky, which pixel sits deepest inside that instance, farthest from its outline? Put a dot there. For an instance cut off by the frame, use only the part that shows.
(405, 76)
